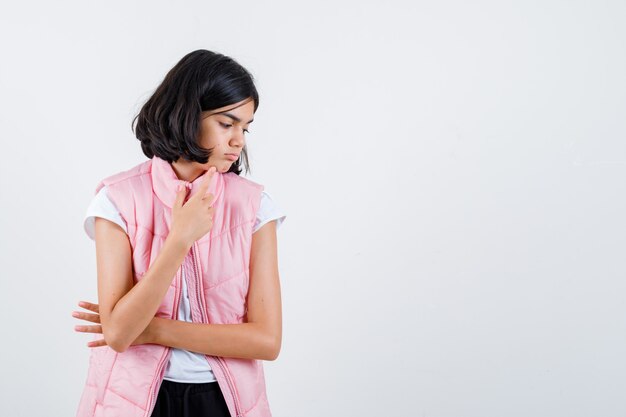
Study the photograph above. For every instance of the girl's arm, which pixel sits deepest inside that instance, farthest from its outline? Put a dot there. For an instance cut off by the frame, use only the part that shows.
(260, 337)
(126, 308)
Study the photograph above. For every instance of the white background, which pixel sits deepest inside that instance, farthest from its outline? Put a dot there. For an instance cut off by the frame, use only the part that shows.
(452, 174)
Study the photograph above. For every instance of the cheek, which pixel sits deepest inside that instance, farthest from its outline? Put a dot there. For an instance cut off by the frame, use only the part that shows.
(211, 138)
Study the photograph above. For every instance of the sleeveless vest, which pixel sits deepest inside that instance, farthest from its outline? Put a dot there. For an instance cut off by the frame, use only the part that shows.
(217, 276)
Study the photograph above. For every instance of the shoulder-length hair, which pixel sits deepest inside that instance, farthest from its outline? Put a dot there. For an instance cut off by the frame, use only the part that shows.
(168, 124)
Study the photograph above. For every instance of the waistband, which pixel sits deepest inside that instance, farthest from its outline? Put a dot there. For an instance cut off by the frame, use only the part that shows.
(180, 389)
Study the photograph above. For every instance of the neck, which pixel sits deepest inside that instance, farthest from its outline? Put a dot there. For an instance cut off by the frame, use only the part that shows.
(188, 171)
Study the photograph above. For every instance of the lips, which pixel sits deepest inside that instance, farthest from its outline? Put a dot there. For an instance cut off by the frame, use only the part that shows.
(232, 156)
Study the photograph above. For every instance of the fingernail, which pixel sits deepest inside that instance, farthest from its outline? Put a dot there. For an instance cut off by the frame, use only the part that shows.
(75, 313)
(76, 327)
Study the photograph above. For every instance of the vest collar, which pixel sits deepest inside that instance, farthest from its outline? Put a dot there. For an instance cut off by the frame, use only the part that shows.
(165, 182)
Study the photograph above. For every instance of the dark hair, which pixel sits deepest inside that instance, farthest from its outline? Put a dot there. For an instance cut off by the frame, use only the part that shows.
(168, 124)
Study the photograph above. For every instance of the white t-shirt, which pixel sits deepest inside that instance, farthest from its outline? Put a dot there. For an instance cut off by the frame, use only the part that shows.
(184, 365)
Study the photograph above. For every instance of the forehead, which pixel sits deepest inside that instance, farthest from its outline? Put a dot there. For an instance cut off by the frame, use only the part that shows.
(239, 112)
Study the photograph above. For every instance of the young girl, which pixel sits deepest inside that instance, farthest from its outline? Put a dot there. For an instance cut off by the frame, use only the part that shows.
(188, 287)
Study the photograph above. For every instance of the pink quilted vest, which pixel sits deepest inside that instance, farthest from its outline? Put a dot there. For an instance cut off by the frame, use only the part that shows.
(217, 272)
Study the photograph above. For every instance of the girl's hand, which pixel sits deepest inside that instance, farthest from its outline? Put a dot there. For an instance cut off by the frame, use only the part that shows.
(146, 336)
(94, 318)
(194, 219)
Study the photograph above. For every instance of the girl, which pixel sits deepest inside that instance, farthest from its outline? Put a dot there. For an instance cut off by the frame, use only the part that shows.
(188, 286)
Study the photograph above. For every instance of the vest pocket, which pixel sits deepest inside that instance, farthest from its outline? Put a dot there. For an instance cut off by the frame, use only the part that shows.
(102, 361)
(249, 380)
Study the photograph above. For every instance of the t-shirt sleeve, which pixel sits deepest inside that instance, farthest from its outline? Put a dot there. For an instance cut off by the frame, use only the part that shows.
(268, 211)
(101, 206)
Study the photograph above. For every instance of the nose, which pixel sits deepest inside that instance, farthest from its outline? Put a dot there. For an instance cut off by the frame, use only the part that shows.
(238, 139)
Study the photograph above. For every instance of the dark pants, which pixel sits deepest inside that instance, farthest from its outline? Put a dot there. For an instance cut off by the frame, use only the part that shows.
(180, 399)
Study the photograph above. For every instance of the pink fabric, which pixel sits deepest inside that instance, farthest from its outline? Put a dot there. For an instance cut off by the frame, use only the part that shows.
(126, 384)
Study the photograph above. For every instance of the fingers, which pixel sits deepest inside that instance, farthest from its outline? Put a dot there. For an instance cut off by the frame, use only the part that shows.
(180, 196)
(95, 318)
(89, 306)
(204, 185)
(89, 329)
(202, 191)
(97, 343)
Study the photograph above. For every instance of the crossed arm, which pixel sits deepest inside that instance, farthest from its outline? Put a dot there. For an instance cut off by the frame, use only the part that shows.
(258, 338)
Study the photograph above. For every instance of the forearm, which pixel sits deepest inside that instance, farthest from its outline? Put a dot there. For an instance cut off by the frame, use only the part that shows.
(135, 310)
(244, 340)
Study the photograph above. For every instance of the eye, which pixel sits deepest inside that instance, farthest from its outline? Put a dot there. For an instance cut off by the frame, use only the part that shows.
(226, 126)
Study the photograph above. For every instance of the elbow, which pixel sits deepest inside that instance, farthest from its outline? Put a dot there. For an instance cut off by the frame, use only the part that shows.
(114, 341)
(118, 347)
(273, 349)
(273, 356)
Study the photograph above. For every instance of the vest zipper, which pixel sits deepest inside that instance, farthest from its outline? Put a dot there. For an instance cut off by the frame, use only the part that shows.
(158, 379)
(205, 317)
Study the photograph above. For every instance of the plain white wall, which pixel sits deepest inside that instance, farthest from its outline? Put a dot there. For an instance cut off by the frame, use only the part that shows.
(452, 174)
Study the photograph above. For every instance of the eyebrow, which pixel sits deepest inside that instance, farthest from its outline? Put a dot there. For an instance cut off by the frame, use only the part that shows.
(232, 116)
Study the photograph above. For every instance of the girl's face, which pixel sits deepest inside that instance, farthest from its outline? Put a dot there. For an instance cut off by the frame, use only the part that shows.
(223, 131)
